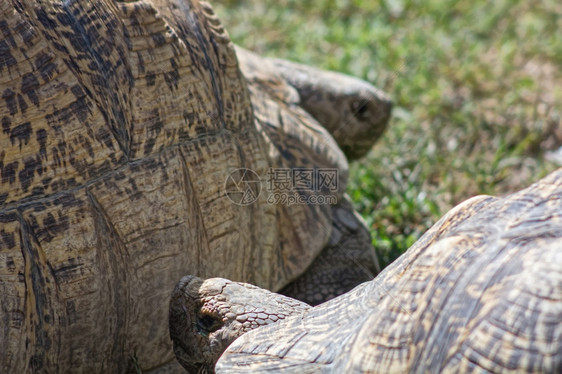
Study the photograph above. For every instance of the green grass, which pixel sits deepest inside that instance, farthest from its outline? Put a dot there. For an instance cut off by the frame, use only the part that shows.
(477, 87)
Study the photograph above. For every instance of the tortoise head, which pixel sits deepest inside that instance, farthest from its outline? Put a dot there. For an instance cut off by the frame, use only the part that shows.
(353, 111)
(207, 315)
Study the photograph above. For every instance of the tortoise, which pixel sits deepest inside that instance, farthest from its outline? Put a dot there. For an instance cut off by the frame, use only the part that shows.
(481, 291)
(121, 125)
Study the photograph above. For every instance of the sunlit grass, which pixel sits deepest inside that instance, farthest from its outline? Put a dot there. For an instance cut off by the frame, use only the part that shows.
(477, 87)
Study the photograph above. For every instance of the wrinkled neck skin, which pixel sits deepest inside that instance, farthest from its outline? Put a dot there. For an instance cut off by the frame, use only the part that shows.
(207, 315)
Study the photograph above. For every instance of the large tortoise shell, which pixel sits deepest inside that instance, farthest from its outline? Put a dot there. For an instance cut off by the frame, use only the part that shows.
(120, 124)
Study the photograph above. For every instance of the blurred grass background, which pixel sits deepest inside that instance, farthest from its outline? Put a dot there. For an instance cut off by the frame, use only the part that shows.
(477, 87)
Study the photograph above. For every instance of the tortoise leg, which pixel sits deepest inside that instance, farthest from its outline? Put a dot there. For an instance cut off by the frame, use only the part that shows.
(347, 260)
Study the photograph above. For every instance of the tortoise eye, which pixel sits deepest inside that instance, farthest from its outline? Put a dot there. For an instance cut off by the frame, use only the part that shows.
(207, 323)
(360, 109)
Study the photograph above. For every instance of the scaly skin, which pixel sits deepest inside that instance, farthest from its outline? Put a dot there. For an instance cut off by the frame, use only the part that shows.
(344, 262)
(207, 315)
